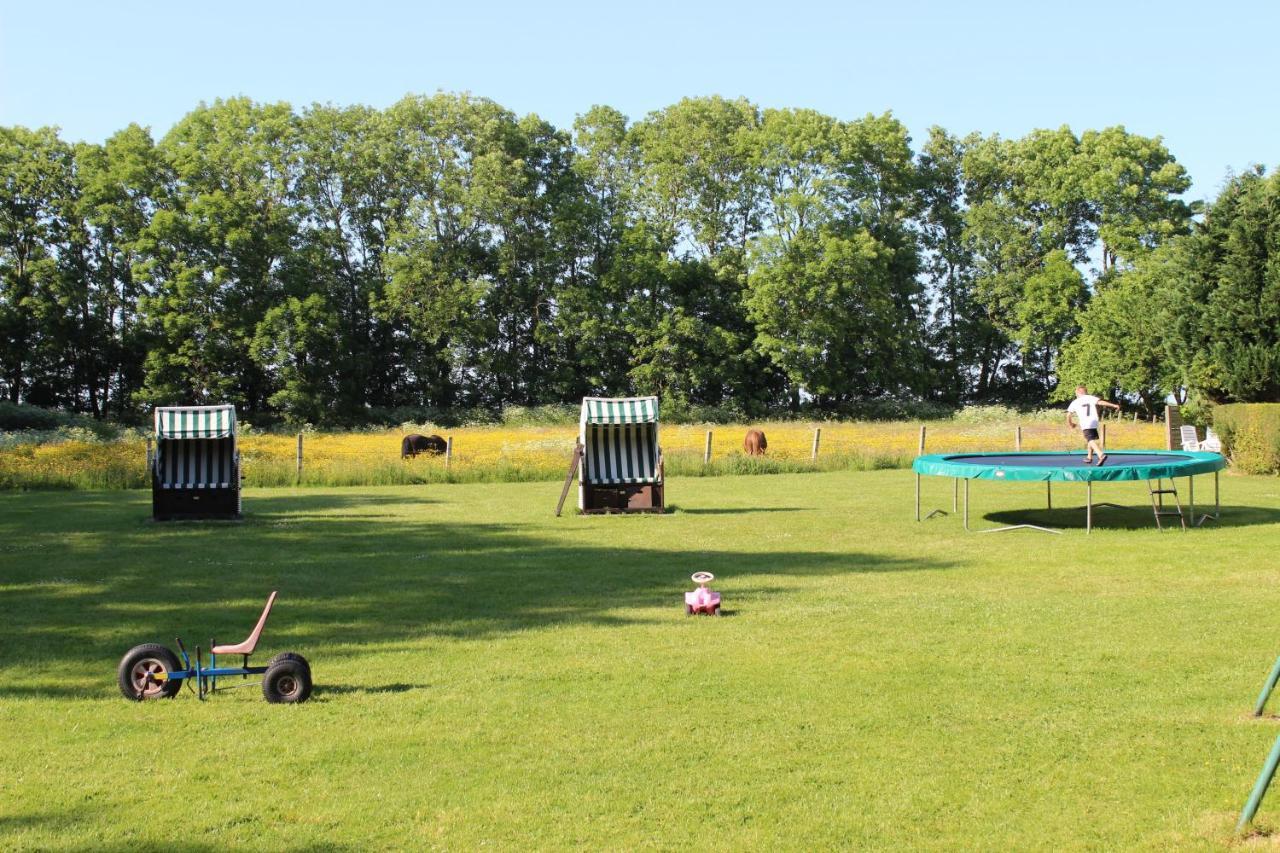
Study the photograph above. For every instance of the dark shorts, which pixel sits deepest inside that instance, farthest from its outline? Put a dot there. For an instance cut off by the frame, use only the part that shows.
(1090, 435)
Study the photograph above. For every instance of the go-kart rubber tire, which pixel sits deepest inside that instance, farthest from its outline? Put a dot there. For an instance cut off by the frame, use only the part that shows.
(289, 656)
(162, 655)
(287, 681)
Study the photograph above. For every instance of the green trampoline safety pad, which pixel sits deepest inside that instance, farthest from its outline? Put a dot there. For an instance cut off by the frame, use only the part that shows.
(1069, 466)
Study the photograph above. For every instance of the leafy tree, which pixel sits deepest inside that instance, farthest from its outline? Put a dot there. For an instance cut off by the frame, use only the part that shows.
(35, 171)
(1132, 182)
(824, 312)
(1225, 310)
(121, 183)
(351, 185)
(840, 198)
(699, 195)
(445, 252)
(463, 264)
(298, 343)
(965, 342)
(698, 178)
(613, 257)
(217, 250)
(1052, 297)
(1124, 340)
(1052, 197)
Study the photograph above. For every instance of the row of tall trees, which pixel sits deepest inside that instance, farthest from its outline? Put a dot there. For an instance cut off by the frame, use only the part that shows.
(1200, 314)
(445, 252)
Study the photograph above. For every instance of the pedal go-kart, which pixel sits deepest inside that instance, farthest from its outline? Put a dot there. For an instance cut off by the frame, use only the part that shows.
(152, 671)
(702, 600)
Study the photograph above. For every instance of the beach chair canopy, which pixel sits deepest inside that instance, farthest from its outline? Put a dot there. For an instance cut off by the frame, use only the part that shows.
(195, 422)
(195, 447)
(619, 438)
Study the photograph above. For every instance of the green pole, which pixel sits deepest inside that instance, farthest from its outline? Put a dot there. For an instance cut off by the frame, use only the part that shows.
(1260, 787)
(1267, 688)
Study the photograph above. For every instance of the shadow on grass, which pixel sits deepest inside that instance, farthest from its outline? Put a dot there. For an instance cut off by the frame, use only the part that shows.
(46, 821)
(371, 689)
(93, 579)
(1134, 517)
(736, 511)
(52, 690)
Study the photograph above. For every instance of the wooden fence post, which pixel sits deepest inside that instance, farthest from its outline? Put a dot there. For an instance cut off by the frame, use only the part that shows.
(817, 438)
(1104, 435)
(299, 457)
(448, 452)
(1017, 438)
(706, 453)
(1172, 424)
(921, 448)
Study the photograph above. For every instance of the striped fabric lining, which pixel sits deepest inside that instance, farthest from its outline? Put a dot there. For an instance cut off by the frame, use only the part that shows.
(196, 463)
(195, 421)
(619, 410)
(625, 453)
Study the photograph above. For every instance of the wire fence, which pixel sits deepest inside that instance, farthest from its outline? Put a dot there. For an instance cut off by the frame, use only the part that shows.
(513, 454)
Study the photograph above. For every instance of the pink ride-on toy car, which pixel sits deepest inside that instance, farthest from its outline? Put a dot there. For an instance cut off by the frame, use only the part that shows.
(702, 600)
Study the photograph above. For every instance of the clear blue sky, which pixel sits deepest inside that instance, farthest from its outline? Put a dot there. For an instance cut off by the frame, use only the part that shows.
(1202, 74)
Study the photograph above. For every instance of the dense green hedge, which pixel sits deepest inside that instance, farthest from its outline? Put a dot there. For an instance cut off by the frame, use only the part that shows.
(16, 417)
(1251, 435)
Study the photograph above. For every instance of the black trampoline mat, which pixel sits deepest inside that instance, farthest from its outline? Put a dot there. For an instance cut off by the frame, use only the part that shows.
(1066, 460)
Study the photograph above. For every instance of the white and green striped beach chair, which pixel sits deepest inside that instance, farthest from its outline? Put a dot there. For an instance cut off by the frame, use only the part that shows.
(195, 471)
(618, 458)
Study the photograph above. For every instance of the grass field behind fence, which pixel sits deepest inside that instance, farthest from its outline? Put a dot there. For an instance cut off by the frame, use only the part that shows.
(491, 677)
(529, 453)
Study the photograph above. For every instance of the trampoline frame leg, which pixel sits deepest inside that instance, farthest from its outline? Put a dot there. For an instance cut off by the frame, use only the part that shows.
(934, 512)
(1000, 529)
(1259, 788)
(1267, 688)
(1217, 505)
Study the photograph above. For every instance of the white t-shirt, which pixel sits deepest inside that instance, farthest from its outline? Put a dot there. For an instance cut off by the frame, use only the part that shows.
(1085, 409)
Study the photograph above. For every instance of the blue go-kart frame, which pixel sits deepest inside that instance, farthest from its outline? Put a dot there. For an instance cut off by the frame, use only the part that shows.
(153, 671)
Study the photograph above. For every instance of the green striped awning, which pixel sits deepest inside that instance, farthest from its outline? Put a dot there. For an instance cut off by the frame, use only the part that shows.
(620, 454)
(197, 463)
(195, 421)
(619, 410)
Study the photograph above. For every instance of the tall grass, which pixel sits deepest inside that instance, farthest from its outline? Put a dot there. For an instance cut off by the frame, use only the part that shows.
(536, 451)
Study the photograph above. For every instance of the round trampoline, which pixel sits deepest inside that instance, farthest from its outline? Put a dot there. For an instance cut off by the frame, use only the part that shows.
(1151, 466)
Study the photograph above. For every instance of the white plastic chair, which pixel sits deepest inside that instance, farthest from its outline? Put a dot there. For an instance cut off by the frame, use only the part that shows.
(1190, 441)
(1211, 441)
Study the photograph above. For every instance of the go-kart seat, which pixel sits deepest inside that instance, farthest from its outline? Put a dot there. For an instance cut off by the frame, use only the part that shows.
(251, 642)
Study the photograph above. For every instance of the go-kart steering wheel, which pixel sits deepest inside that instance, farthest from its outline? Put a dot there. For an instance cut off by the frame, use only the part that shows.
(702, 577)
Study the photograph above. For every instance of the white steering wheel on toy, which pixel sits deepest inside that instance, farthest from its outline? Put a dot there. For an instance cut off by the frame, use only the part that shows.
(702, 577)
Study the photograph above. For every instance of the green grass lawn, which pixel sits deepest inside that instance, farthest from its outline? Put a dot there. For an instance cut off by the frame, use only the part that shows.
(487, 674)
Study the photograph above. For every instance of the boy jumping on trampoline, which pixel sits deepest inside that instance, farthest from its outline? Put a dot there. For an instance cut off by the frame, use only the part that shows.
(1085, 408)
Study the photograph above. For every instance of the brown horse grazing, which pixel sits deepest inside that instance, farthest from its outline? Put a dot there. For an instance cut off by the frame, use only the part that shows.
(414, 444)
(755, 444)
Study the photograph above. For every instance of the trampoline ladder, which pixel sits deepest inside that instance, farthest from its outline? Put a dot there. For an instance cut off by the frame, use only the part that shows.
(1158, 507)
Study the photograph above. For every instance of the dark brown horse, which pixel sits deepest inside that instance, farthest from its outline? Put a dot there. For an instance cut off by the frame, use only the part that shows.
(755, 444)
(414, 444)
